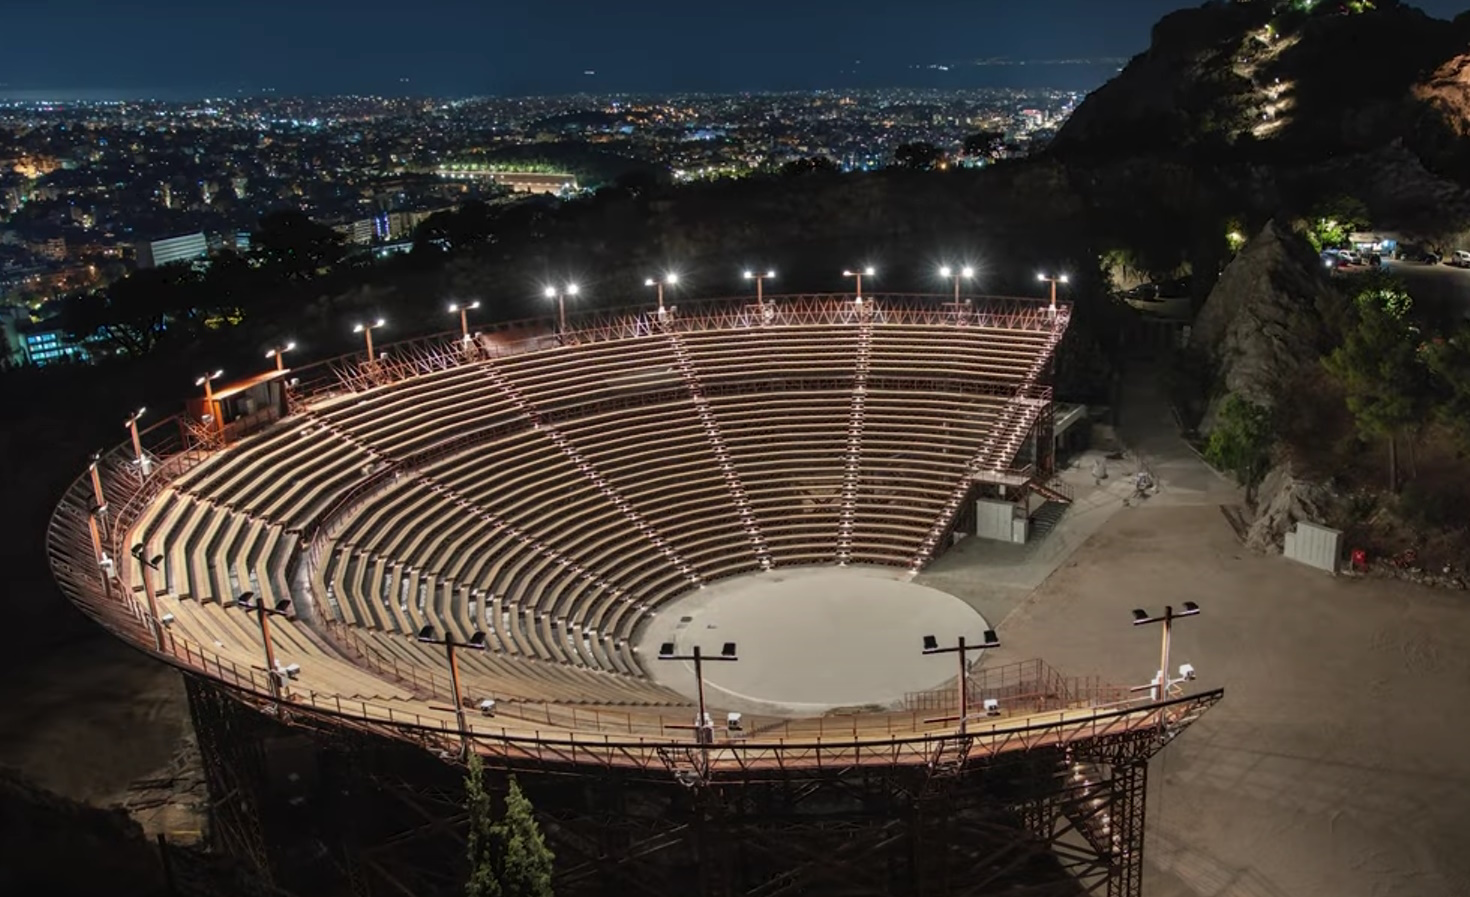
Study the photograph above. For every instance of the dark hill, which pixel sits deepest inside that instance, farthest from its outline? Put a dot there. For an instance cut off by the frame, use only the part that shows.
(1250, 82)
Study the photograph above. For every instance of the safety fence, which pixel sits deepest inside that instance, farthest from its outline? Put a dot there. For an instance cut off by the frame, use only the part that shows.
(90, 555)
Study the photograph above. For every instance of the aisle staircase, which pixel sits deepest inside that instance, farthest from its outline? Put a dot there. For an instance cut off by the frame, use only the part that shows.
(852, 459)
(716, 439)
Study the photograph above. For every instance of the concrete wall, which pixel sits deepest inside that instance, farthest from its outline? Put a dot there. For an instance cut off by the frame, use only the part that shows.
(996, 519)
(1315, 546)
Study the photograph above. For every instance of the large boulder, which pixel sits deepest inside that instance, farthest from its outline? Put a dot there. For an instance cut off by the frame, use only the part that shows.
(1282, 500)
(1261, 322)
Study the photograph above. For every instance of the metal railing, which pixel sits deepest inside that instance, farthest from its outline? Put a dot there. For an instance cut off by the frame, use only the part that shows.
(531, 730)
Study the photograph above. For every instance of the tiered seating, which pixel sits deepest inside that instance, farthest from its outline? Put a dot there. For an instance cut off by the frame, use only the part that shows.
(555, 499)
(782, 397)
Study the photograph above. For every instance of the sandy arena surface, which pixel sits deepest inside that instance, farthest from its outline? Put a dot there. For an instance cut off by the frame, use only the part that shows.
(811, 639)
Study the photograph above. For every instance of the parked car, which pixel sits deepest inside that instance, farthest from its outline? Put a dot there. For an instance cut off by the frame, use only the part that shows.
(1349, 257)
(1460, 259)
(1429, 258)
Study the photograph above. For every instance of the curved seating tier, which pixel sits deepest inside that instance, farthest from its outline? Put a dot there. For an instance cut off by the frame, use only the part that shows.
(555, 500)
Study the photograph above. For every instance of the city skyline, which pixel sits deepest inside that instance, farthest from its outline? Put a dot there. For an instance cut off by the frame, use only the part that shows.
(457, 48)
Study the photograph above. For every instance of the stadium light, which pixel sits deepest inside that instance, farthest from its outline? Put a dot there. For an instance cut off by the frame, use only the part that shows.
(860, 274)
(464, 320)
(704, 730)
(671, 279)
(278, 352)
(249, 603)
(760, 297)
(367, 331)
(428, 636)
(1161, 684)
(146, 566)
(964, 273)
(931, 646)
(1053, 280)
(560, 296)
(207, 381)
(145, 466)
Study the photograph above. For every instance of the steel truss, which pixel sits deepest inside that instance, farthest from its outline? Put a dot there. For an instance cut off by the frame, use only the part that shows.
(333, 808)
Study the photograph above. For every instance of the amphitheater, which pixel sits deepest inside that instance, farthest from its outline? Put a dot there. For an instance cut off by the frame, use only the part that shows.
(555, 506)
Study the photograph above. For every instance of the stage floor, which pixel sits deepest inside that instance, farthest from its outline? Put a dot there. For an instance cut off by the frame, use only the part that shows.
(811, 639)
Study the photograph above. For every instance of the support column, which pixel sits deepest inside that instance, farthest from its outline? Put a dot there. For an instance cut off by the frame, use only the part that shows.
(1129, 786)
(234, 772)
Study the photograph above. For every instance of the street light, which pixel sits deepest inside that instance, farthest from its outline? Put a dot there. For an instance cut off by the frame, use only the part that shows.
(964, 273)
(145, 567)
(1053, 280)
(671, 279)
(145, 466)
(278, 354)
(1141, 617)
(561, 300)
(860, 274)
(931, 646)
(703, 728)
(477, 643)
(248, 602)
(367, 331)
(207, 381)
(464, 320)
(760, 298)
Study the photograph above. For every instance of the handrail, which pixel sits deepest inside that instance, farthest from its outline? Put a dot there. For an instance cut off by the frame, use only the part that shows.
(169, 449)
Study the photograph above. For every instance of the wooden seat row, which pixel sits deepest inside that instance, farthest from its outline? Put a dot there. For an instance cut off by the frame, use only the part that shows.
(555, 500)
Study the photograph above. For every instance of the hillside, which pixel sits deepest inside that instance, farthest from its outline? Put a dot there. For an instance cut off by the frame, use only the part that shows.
(1259, 84)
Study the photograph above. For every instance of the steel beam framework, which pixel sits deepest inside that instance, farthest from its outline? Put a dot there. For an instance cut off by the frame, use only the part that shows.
(1051, 820)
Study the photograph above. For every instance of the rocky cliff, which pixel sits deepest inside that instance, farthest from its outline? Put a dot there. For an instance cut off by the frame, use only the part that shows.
(1448, 91)
(1255, 81)
(1262, 320)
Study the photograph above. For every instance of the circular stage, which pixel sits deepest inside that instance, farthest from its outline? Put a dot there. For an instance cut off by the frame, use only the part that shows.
(810, 640)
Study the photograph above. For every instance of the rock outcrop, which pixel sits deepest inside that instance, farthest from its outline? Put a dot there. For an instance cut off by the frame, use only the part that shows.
(1448, 91)
(1284, 87)
(1281, 501)
(1261, 321)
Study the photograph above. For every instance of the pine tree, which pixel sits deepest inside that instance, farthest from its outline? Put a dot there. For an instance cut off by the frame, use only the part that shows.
(525, 862)
(1380, 370)
(483, 838)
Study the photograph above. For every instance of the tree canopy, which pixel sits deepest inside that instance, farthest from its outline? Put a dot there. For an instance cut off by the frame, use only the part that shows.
(507, 855)
(1241, 440)
(917, 156)
(295, 244)
(1380, 370)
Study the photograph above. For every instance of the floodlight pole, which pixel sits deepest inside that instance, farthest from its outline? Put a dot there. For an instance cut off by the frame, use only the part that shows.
(760, 292)
(279, 354)
(144, 467)
(97, 496)
(427, 637)
(1053, 280)
(262, 616)
(1142, 618)
(146, 568)
(270, 650)
(963, 650)
(699, 659)
(94, 523)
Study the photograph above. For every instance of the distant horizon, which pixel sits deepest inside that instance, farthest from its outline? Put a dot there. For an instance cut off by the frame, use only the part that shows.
(993, 74)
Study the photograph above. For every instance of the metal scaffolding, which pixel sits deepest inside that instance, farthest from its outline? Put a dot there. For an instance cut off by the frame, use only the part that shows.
(340, 808)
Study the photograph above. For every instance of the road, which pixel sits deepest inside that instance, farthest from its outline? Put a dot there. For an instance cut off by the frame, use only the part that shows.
(1437, 289)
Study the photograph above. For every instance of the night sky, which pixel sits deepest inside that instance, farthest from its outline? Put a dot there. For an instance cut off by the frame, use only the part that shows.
(464, 47)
